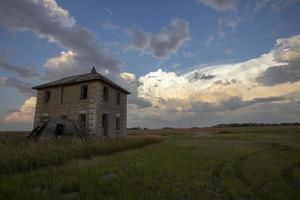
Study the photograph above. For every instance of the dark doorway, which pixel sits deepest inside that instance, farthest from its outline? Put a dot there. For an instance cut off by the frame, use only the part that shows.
(105, 124)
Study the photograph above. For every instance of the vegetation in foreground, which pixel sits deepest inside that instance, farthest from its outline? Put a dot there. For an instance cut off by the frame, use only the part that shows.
(216, 163)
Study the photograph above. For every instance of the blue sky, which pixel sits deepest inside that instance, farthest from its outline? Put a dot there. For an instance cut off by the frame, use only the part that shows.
(203, 36)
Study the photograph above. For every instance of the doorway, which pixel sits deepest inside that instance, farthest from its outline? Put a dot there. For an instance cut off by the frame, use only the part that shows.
(105, 124)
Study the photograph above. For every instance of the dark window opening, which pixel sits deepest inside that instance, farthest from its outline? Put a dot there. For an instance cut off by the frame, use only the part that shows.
(84, 92)
(105, 93)
(61, 95)
(47, 96)
(118, 123)
(103, 120)
(44, 119)
(118, 98)
(63, 116)
(82, 119)
(105, 123)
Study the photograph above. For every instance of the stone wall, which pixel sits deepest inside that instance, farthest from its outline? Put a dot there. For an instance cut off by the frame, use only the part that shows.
(113, 109)
(94, 106)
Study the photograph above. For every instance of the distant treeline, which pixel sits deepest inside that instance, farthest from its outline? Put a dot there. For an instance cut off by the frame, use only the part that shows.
(136, 128)
(231, 125)
(256, 124)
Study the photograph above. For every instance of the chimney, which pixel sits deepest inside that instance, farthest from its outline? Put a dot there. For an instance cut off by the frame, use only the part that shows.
(93, 70)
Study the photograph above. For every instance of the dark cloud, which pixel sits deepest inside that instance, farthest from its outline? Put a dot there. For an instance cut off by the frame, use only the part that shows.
(231, 104)
(140, 38)
(286, 50)
(48, 20)
(280, 74)
(199, 76)
(23, 71)
(21, 86)
(264, 112)
(220, 5)
(164, 43)
(138, 101)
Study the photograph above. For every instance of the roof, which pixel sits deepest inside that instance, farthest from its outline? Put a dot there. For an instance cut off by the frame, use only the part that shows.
(93, 76)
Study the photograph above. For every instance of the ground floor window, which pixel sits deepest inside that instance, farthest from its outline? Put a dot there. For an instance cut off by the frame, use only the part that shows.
(82, 119)
(44, 119)
(63, 116)
(118, 123)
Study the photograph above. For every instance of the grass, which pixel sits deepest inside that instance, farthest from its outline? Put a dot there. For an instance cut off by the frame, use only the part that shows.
(227, 163)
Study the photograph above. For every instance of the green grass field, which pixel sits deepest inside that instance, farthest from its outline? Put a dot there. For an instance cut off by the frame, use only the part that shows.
(209, 163)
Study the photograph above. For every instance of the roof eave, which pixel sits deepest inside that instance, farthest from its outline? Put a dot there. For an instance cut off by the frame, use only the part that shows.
(40, 87)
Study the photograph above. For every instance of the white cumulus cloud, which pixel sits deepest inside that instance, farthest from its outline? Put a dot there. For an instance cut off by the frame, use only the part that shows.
(25, 114)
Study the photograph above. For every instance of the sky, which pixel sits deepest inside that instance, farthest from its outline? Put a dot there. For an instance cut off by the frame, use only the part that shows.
(186, 63)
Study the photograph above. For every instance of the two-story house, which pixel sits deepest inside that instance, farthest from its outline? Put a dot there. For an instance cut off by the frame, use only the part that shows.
(96, 102)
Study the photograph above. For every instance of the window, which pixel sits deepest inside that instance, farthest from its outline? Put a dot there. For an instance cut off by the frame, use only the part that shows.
(105, 93)
(118, 123)
(47, 96)
(61, 95)
(63, 116)
(82, 119)
(84, 92)
(118, 98)
(44, 119)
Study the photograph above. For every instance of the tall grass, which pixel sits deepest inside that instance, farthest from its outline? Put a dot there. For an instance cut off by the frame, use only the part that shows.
(19, 155)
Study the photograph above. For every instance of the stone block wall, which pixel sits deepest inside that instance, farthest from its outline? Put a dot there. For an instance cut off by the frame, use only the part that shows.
(94, 106)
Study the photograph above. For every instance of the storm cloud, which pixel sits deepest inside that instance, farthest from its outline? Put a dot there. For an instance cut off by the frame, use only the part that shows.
(280, 74)
(47, 19)
(23, 71)
(21, 86)
(163, 43)
(287, 50)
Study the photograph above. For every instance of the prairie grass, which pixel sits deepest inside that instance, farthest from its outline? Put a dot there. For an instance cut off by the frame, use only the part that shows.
(20, 155)
(231, 163)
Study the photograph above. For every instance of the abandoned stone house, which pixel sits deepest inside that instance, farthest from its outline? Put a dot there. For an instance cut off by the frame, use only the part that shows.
(96, 102)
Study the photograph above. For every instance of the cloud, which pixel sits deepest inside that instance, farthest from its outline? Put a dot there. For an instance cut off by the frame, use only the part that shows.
(108, 10)
(210, 39)
(23, 71)
(128, 76)
(47, 19)
(220, 5)
(228, 51)
(188, 54)
(224, 93)
(128, 80)
(107, 25)
(226, 25)
(25, 114)
(275, 6)
(21, 86)
(163, 43)
(287, 50)
(176, 65)
(232, 103)
(280, 74)
(230, 22)
(141, 39)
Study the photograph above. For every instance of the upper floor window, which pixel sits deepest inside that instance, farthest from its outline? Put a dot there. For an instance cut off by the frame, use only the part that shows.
(118, 98)
(47, 96)
(105, 93)
(83, 92)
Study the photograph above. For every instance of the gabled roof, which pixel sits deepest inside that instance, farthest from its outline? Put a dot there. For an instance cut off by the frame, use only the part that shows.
(93, 76)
